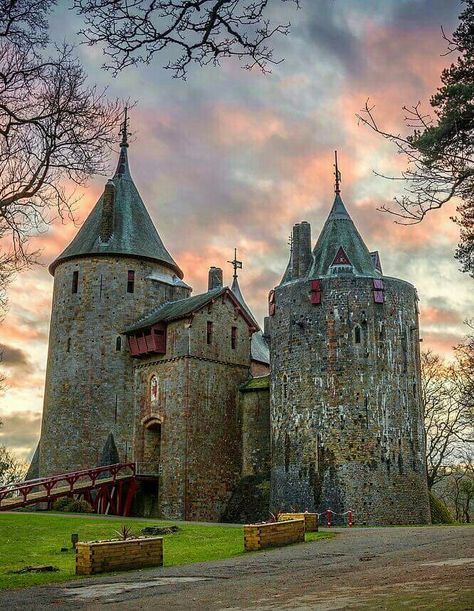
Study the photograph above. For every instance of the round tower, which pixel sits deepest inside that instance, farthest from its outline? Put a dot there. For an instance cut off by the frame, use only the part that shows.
(114, 271)
(346, 418)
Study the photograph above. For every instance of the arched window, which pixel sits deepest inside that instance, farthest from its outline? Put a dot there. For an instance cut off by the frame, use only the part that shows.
(118, 343)
(357, 334)
(154, 389)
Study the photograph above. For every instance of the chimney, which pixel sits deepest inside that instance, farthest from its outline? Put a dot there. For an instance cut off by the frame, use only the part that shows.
(295, 244)
(107, 221)
(305, 254)
(215, 278)
(302, 255)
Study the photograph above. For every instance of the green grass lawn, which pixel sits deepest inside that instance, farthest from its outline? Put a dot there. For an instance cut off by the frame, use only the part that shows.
(37, 538)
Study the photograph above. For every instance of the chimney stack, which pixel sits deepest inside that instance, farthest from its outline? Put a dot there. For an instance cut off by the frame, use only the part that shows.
(216, 279)
(305, 254)
(107, 220)
(301, 244)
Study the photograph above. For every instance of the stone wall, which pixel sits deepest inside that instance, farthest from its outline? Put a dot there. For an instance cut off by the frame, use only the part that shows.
(347, 430)
(89, 379)
(196, 411)
(255, 410)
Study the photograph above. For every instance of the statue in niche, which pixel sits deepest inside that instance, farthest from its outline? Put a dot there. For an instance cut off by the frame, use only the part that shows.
(154, 389)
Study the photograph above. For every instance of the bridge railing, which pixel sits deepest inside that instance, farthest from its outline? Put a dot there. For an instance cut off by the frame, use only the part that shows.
(49, 484)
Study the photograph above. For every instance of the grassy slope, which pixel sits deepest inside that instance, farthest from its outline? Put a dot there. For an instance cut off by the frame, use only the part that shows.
(29, 539)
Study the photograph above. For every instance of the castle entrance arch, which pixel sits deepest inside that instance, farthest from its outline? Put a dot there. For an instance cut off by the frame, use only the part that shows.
(152, 444)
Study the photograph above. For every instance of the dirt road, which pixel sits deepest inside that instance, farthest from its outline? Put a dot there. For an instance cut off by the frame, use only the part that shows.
(373, 568)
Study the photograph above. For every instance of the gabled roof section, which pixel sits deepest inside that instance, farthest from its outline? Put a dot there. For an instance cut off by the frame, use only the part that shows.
(119, 224)
(259, 350)
(174, 310)
(339, 232)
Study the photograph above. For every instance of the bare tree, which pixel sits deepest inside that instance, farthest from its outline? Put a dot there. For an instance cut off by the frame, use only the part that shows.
(12, 469)
(438, 146)
(448, 426)
(200, 31)
(457, 488)
(54, 127)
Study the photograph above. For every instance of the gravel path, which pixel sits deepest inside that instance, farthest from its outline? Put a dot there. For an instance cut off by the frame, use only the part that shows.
(362, 568)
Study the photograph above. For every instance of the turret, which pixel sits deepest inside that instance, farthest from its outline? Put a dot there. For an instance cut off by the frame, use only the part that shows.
(106, 279)
(346, 420)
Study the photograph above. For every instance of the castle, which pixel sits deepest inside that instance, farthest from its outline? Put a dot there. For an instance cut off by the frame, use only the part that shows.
(321, 410)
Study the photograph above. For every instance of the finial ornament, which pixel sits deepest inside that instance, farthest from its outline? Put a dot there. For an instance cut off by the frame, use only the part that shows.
(337, 174)
(124, 128)
(235, 264)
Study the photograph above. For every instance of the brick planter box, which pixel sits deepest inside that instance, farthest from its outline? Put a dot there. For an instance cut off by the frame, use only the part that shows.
(260, 536)
(107, 556)
(310, 520)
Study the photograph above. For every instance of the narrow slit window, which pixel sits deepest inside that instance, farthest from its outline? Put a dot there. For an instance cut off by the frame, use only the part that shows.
(357, 335)
(233, 338)
(131, 281)
(209, 332)
(285, 386)
(68, 349)
(75, 281)
(118, 343)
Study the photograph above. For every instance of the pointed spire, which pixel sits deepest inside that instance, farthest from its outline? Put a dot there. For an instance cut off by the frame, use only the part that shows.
(122, 166)
(340, 244)
(337, 174)
(236, 264)
(119, 223)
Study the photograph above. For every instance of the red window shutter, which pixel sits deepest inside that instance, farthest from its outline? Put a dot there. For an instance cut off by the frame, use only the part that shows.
(379, 297)
(315, 294)
(271, 303)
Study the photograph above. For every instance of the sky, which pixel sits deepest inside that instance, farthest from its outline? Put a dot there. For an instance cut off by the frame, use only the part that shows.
(232, 158)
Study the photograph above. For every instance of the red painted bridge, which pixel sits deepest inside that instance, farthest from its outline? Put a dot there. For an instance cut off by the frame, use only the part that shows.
(109, 489)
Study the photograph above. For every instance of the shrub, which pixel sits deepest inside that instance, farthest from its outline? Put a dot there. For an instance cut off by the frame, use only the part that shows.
(61, 504)
(79, 506)
(440, 514)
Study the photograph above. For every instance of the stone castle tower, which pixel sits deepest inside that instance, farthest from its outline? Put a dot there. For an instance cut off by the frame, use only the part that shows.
(105, 280)
(346, 418)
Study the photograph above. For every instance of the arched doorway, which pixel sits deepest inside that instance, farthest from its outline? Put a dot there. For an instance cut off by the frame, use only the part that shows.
(152, 445)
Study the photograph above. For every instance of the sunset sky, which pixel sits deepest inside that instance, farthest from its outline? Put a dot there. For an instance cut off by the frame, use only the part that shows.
(233, 158)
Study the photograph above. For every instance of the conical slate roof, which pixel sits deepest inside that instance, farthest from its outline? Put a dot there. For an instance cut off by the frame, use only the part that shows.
(119, 224)
(339, 232)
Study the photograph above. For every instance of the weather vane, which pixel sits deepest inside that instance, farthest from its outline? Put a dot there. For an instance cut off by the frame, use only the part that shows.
(337, 174)
(235, 264)
(124, 129)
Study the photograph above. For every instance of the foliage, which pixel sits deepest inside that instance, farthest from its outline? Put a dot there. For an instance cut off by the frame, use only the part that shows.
(61, 504)
(125, 532)
(202, 31)
(12, 469)
(79, 506)
(440, 514)
(439, 150)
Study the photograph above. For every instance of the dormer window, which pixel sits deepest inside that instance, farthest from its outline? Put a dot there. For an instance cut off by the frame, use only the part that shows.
(341, 263)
